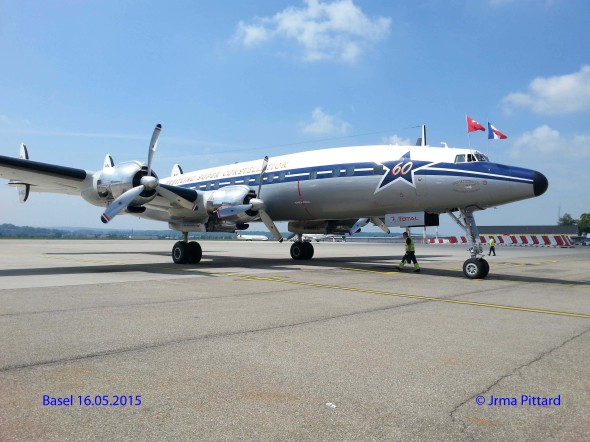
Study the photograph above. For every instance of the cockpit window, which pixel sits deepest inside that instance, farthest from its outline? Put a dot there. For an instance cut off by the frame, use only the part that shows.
(470, 157)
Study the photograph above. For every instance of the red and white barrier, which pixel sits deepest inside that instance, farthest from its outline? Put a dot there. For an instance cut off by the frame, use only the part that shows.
(512, 240)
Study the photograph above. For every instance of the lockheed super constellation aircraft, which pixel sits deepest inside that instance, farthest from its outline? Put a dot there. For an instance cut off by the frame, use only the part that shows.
(331, 191)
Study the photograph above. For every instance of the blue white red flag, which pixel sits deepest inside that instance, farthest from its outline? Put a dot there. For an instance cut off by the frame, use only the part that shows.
(495, 134)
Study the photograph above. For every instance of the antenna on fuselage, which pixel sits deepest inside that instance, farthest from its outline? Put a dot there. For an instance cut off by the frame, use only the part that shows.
(422, 140)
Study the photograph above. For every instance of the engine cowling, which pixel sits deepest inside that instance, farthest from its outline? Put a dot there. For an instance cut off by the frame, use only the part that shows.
(227, 197)
(113, 181)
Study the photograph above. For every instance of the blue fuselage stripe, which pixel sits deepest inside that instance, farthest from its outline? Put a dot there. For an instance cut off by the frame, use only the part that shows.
(488, 171)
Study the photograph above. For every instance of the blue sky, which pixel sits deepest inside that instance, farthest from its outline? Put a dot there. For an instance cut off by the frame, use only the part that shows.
(234, 81)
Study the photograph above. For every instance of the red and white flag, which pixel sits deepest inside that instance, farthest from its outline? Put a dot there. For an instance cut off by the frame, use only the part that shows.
(473, 125)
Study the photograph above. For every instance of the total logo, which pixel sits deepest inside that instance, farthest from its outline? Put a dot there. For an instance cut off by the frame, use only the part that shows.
(405, 218)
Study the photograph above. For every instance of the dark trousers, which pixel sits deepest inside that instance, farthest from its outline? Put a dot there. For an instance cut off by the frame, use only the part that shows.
(410, 256)
(492, 250)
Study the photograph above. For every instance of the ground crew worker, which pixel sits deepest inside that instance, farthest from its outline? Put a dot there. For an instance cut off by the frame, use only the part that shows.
(492, 246)
(410, 254)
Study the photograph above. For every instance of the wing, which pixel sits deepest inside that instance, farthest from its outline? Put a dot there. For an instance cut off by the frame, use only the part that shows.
(43, 177)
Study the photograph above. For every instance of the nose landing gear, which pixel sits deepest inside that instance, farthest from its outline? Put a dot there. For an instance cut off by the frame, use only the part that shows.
(475, 267)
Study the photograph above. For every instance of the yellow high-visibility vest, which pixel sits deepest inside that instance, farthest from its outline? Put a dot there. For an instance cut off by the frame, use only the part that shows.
(492, 242)
(410, 247)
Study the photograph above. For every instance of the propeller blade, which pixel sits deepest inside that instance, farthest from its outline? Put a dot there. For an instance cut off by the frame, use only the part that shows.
(121, 203)
(358, 225)
(270, 225)
(153, 145)
(259, 207)
(264, 166)
(233, 210)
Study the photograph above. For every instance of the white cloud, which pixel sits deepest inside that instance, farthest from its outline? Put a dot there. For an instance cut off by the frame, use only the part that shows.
(548, 143)
(251, 35)
(396, 140)
(326, 31)
(324, 124)
(554, 95)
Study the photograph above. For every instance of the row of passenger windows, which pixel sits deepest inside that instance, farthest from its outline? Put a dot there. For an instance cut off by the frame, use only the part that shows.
(277, 177)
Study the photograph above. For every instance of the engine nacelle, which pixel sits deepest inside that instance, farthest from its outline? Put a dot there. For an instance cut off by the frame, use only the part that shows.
(228, 196)
(112, 182)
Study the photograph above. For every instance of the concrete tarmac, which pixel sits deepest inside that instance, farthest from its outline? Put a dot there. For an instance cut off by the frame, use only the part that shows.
(251, 345)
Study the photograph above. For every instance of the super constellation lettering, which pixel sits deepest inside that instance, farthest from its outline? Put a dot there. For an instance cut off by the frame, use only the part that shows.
(184, 179)
(254, 169)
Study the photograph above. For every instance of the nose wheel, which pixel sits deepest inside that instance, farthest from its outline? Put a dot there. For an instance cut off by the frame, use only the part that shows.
(476, 268)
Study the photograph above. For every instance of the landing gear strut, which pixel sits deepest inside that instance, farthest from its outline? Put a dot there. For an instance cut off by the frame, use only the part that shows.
(184, 252)
(475, 267)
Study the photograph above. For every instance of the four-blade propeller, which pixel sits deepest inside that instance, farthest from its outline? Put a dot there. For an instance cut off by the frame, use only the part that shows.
(147, 182)
(255, 205)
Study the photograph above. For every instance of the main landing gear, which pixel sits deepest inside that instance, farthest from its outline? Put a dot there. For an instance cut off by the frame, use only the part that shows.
(301, 249)
(185, 252)
(475, 267)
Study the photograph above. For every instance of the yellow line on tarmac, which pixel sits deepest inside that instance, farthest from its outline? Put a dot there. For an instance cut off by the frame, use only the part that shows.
(381, 272)
(403, 295)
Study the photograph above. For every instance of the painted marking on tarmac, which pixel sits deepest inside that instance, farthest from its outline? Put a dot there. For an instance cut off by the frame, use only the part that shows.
(382, 272)
(523, 264)
(404, 295)
(580, 284)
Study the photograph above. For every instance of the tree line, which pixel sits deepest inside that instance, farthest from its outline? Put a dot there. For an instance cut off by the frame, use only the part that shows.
(583, 223)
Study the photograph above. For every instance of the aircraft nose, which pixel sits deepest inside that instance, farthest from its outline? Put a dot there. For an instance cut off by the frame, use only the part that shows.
(540, 183)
